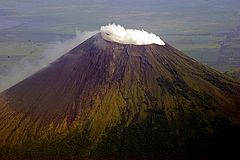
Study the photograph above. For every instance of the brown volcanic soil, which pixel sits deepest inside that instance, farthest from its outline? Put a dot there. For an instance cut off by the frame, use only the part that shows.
(100, 83)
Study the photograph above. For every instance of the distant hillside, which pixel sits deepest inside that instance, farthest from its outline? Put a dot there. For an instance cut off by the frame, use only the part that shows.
(235, 74)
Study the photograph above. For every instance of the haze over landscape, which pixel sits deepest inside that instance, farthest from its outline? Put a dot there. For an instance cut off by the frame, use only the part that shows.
(120, 79)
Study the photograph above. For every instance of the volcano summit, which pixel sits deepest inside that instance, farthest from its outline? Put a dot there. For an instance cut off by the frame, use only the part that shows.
(117, 33)
(105, 99)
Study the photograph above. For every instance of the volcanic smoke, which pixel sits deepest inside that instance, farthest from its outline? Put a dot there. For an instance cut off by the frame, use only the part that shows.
(117, 33)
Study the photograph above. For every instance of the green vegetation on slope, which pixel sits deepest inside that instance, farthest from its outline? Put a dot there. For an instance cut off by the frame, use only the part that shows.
(193, 135)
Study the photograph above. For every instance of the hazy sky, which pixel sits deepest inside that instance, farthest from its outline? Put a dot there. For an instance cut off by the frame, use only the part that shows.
(162, 16)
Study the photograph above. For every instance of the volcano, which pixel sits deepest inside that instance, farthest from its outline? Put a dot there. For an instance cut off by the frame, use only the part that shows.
(105, 99)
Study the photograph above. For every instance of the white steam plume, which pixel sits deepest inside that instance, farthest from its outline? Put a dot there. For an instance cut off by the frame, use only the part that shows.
(25, 68)
(119, 34)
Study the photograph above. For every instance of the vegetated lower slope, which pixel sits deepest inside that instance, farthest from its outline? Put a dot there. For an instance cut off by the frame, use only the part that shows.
(109, 100)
